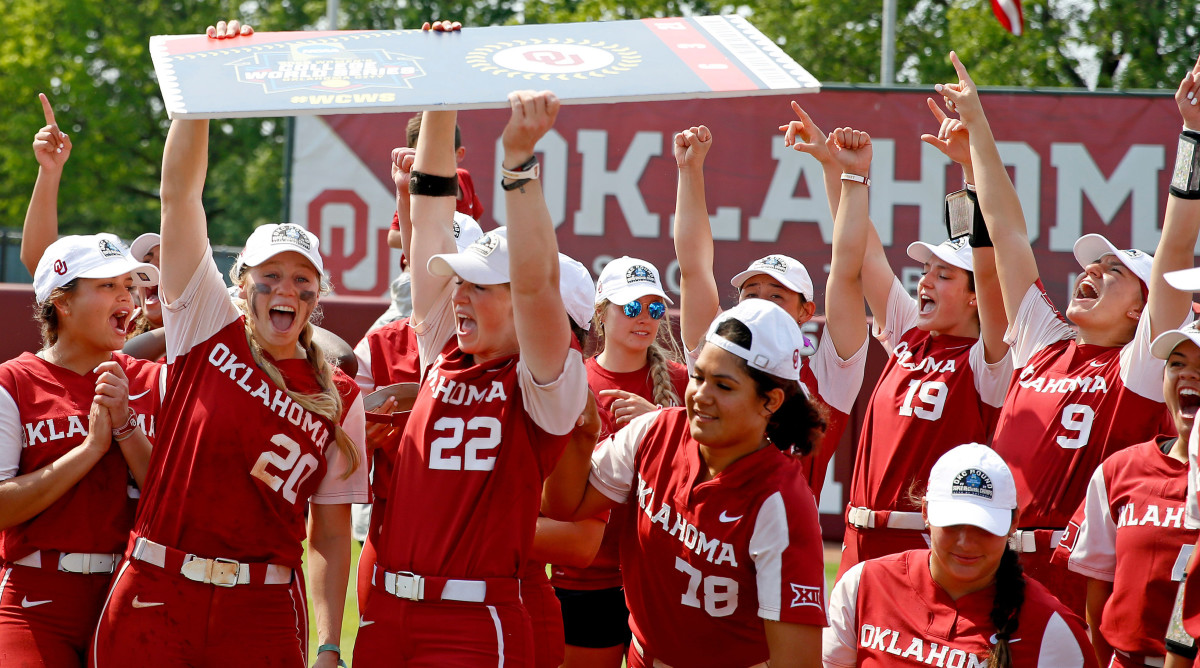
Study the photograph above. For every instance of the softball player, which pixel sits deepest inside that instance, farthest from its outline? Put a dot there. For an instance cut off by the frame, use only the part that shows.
(1128, 538)
(963, 602)
(945, 357)
(388, 355)
(1077, 397)
(255, 424)
(75, 422)
(631, 374)
(720, 533)
(833, 374)
(491, 418)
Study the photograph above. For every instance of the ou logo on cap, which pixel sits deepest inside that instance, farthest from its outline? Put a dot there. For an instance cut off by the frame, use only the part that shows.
(60, 267)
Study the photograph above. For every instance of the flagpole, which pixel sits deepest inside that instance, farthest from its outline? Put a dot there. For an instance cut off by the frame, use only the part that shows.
(887, 59)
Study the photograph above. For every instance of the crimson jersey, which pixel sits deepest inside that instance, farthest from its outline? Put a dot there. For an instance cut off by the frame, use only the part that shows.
(467, 485)
(1070, 406)
(715, 557)
(890, 612)
(44, 415)
(605, 570)
(1129, 531)
(935, 393)
(468, 204)
(834, 383)
(237, 460)
(386, 355)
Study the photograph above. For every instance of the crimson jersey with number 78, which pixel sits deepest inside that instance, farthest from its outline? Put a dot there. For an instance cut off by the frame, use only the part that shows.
(706, 561)
(1071, 405)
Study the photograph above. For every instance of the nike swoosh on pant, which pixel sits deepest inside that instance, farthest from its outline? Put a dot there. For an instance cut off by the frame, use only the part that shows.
(145, 604)
(26, 603)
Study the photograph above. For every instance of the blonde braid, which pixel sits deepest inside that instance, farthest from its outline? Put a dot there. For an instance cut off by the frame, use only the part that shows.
(664, 389)
(327, 403)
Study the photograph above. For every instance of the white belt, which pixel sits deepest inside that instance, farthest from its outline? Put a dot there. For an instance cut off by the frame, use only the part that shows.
(412, 587)
(219, 572)
(655, 663)
(1022, 540)
(75, 562)
(865, 518)
(1156, 661)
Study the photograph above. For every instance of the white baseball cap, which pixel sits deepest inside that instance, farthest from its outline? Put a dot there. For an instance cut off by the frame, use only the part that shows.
(87, 256)
(466, 230)
(1166, 342)
(954, 252)
(787, 270)
(773, 337)
(576, 287)
(144, 244)
(267, 241)
(972, 485)
(484, 262)
(1092, 247)
(627, 279)
(1187, 280)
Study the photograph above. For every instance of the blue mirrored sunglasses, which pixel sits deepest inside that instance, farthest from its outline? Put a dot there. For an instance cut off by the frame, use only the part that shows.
(656, 309)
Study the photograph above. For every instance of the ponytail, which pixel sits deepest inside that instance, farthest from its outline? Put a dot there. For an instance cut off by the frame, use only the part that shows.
(1006, 608)
(326, 403)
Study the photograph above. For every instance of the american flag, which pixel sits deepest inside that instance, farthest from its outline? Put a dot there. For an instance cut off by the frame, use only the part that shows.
(1010, 16)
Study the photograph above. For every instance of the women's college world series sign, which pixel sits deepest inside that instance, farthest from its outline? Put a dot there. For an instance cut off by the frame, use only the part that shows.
(293, 73)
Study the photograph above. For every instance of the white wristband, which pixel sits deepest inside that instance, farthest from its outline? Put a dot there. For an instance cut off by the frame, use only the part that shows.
(857, 179)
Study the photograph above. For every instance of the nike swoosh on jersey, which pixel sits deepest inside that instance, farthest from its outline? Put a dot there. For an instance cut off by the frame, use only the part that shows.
(134, 397)
(994, 640)
(362, 622)
(727, 518)
(26, 603)
(1098, 363)
(145, 604)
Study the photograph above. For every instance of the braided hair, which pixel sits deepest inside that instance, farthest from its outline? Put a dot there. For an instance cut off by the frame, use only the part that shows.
(663, 350)
(1006, 608)
(327, 402)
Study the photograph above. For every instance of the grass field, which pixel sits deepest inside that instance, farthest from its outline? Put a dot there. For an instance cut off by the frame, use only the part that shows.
(350, 618)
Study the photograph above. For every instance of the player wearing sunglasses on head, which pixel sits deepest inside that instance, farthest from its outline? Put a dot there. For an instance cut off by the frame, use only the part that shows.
(834, 373)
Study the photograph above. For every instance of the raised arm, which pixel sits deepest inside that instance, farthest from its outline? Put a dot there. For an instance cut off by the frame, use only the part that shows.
(954, 141)
(845, 316)
(1015, 263)
(431, 216)
(52, 148)
(699, 300)
(876, 275)
(539, 316)
(1167, 306)
(184, 226)
(402, 162)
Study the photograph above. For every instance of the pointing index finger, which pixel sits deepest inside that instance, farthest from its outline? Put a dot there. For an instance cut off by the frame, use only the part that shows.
(959, 68)
(47, 110)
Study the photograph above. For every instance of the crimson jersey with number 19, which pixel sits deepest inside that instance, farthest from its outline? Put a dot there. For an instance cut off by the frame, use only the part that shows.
(715, 557)
(1070, 406)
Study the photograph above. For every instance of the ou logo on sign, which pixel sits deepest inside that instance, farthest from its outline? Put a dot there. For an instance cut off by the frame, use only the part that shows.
(558, 58)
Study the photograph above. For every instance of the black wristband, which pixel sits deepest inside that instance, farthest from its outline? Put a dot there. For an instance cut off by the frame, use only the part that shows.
(979, 237)
(1186, 651)
(430, 185)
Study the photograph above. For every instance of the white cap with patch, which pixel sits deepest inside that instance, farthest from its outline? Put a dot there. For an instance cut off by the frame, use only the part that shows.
(789, 271)
(773, 337)
(267, 241)
(484, 262)
(143, 245)
(1092, 247)
(87, 256)
(954, 252)
(1166, 342)
(466, 230)
(627, 279)
(972, 485)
